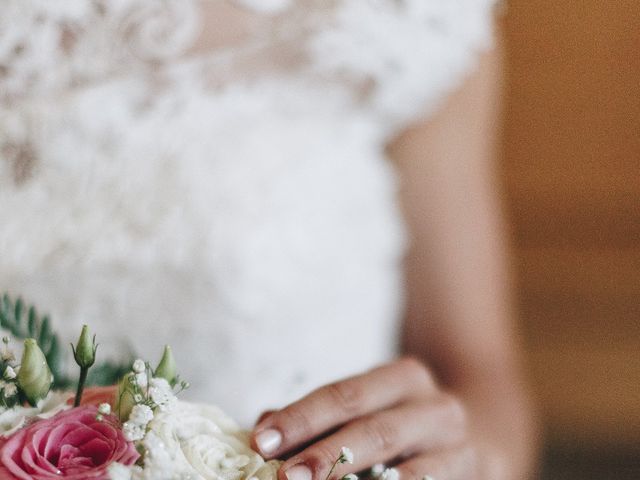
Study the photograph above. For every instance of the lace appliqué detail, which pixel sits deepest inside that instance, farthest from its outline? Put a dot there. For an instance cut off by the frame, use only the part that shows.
(403, 55)
(47, 46)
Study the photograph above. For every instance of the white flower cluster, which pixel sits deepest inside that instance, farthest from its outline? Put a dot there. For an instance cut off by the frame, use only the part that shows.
(189, 441)
(380, 472)
(180, 440)
(390, 474)
(135, 428)
(8, 387)
(149, 394)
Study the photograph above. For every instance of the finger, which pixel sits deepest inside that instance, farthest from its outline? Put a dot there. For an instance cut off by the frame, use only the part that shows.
(453, 464)
(264, 415)
(382, 437)
(334, 405)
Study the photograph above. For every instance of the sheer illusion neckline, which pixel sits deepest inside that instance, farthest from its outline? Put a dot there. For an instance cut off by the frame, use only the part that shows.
(241, 28)
(227, 25)
(265, 6)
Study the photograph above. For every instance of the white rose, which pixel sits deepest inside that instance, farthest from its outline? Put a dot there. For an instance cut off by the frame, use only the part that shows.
(198, 441)
(13, 419)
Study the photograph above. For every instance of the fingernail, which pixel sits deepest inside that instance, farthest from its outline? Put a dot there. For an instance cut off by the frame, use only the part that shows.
(299, 472)
(268, 441)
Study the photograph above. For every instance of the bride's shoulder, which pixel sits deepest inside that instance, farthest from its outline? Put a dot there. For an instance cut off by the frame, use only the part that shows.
(409, 53)
(388, 27)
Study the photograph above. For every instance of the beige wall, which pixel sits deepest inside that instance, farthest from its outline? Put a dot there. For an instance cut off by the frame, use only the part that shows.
(572, 166)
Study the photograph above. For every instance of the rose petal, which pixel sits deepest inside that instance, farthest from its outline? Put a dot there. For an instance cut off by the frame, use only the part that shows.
(97, 395)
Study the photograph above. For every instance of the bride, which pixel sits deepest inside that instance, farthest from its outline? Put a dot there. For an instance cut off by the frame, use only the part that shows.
(290, 192)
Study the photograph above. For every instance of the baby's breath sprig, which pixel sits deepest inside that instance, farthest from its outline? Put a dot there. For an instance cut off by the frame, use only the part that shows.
(377, 470)
(142, 392)
(345, 456)
(8, 386)
(390, 474)
(8, 374)
(103, 410)
(7, 356)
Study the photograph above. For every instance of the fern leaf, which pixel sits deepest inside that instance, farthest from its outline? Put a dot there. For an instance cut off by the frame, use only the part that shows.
(23, 321)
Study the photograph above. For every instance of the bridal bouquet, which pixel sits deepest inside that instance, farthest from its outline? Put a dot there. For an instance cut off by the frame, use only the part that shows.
(136, 430)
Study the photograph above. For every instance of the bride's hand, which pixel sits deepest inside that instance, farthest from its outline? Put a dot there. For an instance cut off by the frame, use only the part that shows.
(393, 414)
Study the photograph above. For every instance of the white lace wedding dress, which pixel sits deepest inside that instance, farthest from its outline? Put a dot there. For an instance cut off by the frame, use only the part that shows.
(213, 175)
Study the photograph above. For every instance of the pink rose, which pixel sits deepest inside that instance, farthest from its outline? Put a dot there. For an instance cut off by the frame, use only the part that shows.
(72, 445)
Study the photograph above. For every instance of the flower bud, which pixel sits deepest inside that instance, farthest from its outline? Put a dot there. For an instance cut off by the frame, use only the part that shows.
(85, 351)
(126, 397)
(34, 378)
(167, 367)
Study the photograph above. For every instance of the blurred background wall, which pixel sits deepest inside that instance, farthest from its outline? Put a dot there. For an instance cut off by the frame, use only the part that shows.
(572, 168)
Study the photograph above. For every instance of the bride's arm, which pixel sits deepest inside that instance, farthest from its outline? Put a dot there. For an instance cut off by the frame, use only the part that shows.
(474, 424)
(459, 320)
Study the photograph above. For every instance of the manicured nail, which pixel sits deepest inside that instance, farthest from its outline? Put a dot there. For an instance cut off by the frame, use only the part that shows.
(299, 472)
(268, 441)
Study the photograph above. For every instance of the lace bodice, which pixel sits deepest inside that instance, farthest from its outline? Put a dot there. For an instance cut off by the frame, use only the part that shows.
(212, 175)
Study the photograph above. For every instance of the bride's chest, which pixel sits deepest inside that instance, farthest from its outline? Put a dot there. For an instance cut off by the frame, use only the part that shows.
(136, 171)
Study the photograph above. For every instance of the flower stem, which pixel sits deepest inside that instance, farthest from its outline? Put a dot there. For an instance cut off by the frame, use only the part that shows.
(81, 382)
(333, 467)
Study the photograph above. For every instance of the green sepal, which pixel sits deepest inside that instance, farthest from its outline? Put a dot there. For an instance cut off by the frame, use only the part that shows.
(167, 368)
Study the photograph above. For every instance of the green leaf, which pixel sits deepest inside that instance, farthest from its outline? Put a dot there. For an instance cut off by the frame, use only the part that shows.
(32, 322)
(46, 337)
(7, 316)
(18, 311)
(12, 319)
(54, 356)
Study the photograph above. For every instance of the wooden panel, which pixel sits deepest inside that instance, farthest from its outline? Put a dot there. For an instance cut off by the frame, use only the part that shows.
(587, 395)
(572, 171)
(586, 208)
(580, 297)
